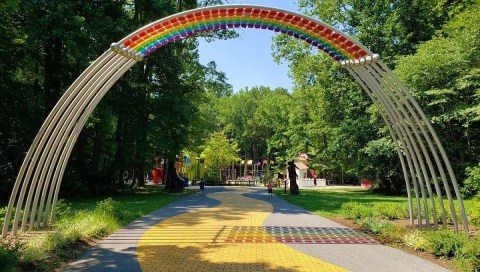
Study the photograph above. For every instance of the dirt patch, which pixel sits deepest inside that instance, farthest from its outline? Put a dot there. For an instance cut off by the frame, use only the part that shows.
(446, 263)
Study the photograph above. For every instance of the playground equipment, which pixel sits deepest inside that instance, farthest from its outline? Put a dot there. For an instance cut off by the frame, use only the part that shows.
(421, 153)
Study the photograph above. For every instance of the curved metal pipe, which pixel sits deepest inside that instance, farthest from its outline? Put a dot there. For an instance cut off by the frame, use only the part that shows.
(409, 97)
(40, 138)
(60, 136)
(409, 123)
(55, 138)
(419, 138)
(394, 139)
(375, 87)
(73, 137)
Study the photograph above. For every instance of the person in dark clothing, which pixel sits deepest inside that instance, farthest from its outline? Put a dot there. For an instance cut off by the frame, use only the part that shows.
(202, 186)
(292, 175)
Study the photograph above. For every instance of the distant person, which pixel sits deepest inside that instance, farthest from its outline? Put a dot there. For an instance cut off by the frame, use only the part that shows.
(202, 185)
(292, 175)
(270, 189)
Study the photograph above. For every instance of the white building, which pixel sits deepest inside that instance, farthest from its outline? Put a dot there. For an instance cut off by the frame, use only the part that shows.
(303, 180)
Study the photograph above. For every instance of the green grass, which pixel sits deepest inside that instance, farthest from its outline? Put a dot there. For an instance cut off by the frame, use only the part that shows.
(329, 202)
(137, 203)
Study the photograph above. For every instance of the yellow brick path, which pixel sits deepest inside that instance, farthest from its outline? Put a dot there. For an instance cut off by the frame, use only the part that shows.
(195, 241)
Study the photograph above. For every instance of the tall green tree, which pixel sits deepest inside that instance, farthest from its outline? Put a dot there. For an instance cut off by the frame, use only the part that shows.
(444, 76)
(389, 28)
(219, 152)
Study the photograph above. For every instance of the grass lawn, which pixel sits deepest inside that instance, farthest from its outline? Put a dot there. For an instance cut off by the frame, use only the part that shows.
(329, 202)
(138, 203)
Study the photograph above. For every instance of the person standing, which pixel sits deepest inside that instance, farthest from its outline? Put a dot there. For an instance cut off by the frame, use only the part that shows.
(292, 175)
(270, 189)
(202, 186)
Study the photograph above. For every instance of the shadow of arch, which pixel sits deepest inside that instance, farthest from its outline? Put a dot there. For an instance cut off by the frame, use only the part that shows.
(421, 153)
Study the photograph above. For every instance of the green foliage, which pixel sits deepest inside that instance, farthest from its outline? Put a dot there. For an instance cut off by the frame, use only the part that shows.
(388, 28)
(389, 211)
(471, 186)
(472, 209)
(8, 257)
(444, 76)
(85, 224)
(330, 202)
(63, 209)
(445, 243)
(385, 230)
(220, 152)
(355, 210)
(416, 239)
(469, 259)
(112, 208)
(151, 110)
(33, 254)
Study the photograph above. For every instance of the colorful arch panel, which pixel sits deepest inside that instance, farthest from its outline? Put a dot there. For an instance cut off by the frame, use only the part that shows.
(326, 38)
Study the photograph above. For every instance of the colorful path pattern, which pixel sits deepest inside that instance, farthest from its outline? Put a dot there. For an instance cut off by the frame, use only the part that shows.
(231, 237)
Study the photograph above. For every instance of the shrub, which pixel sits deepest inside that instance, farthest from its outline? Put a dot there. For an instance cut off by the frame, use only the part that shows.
(445, 243)
(3, 212)
(385, 230)
(375, 225)
(391, 210)
(473, 213)
(110, 207)
(355, 210)
(471, 185)
(8, 257)
(63, 209)
(34, 251)
(469, 259)
(416, 240)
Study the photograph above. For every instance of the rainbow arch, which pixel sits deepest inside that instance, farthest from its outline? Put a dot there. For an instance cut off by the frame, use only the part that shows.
(162, 32)
(423, 159)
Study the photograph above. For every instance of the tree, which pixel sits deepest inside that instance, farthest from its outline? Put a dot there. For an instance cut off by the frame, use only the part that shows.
(389, 28)
(444, 75)
(220, 152)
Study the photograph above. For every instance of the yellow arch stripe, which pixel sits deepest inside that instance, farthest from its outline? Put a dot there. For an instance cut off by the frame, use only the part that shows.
(195, 241)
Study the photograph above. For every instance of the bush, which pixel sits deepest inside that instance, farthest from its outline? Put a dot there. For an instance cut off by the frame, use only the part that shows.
(469, 259)
(110, 207)
(471, 185)
(445, 243)
(386, 231)
(473, 213)
(391, 210)
(355, 210)
(34, 251)
(8, 257)
(63, 209)
(416, 240)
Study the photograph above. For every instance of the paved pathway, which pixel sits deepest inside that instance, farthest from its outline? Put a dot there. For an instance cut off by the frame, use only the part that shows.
(241, 229)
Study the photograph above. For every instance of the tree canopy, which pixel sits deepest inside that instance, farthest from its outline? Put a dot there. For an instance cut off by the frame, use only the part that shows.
(161, 110)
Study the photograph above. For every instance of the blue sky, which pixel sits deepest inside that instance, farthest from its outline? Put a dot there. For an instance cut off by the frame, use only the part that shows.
(247, 61)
